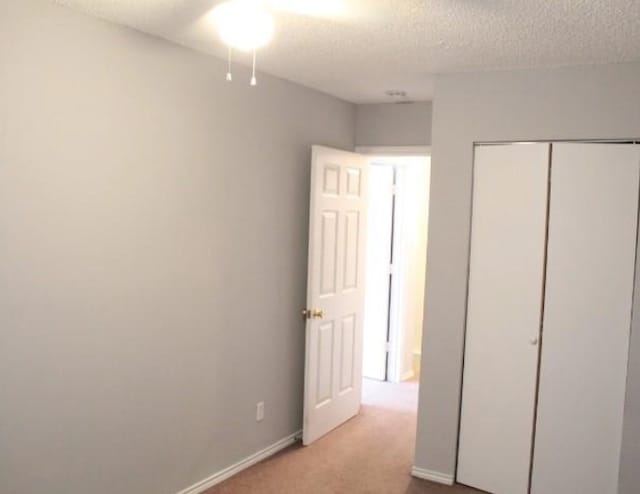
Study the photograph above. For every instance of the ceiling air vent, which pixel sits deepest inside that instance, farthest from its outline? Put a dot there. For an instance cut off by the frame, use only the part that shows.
(398, 96)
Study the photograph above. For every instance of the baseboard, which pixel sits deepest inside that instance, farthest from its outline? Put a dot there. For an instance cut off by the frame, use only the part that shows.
(238, 467)
(407, 375)
(440, 478)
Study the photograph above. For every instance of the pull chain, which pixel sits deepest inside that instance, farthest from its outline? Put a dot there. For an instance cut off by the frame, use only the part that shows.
(253, 75)
(229, 76)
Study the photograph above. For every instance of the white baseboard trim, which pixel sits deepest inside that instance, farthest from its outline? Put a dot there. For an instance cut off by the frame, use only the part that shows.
(407, 375)
(440, 478)
(238, 467)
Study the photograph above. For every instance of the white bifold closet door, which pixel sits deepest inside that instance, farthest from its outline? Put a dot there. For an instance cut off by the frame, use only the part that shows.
(551, 281)
(503, 316)
(587, 317)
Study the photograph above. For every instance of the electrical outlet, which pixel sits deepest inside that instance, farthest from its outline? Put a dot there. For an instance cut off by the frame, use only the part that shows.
(260, 411)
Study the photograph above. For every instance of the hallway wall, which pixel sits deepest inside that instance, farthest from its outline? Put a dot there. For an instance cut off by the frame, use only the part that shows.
(394, 124)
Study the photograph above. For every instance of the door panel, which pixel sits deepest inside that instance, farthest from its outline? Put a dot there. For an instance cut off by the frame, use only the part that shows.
(591, 257)
(378, 278)
(335, 290)
(503, 316)
(351, 261)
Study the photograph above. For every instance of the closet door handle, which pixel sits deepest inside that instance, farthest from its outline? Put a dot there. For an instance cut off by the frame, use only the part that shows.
(534, 341)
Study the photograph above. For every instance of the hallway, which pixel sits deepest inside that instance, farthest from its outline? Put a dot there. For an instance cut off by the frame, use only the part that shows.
(372, 453)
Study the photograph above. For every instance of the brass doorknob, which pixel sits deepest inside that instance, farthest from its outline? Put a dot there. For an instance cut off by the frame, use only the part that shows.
(312, 314)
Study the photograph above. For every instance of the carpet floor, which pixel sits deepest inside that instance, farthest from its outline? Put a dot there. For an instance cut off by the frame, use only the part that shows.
(370, 454)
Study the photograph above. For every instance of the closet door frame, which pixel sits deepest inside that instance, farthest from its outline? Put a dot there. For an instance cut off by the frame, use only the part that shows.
(634, 314)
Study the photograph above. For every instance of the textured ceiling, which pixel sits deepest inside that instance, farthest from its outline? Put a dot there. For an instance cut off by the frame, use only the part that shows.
(375, 45)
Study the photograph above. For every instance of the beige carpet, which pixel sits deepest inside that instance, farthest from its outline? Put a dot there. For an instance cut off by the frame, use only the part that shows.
(370, 454)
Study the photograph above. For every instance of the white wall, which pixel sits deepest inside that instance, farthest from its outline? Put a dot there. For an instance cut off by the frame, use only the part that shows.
(153, 240)
(568, 103)
(392, 124)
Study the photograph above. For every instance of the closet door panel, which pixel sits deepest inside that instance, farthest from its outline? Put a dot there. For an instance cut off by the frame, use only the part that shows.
(587, 316)
(503, 316)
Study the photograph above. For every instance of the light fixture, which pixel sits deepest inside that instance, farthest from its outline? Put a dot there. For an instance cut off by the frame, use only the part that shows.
(244, 25)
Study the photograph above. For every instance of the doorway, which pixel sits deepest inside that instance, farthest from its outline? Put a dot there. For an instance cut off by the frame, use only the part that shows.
(337, 285)
(395, 267)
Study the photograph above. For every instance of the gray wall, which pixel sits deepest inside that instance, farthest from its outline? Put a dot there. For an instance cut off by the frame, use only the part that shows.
(391, 124)
(568, 103)
(153, 246)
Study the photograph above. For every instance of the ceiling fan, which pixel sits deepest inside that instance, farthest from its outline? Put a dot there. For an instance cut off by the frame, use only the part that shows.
(248, 25)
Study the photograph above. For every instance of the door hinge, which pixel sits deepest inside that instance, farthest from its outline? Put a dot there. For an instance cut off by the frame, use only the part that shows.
(387, 346)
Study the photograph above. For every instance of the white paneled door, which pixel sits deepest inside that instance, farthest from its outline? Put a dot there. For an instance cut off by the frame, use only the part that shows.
(380, 236)
(503, 316)
(335, 290)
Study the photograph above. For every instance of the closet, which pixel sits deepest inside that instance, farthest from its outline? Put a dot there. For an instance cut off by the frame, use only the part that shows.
(551, 279)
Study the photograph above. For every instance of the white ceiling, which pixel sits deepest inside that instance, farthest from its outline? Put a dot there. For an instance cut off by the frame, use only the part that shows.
(375, 45)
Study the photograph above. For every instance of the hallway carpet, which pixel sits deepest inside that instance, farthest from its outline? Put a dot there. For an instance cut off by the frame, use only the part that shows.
(370, 454)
